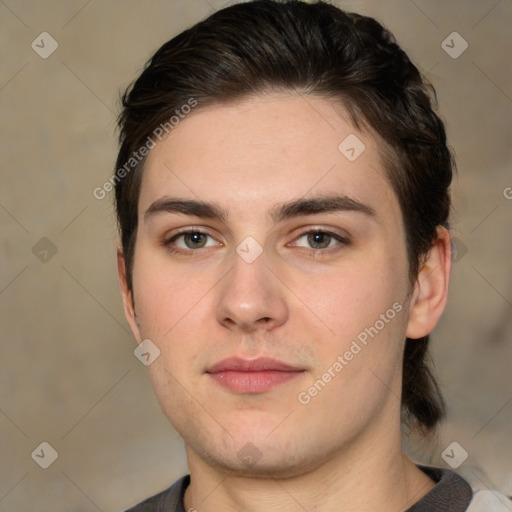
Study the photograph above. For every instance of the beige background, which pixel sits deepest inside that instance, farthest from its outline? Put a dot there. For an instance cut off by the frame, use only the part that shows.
(68, 375)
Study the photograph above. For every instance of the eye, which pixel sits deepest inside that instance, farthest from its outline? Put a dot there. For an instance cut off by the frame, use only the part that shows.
(321, 240)
(190, 240)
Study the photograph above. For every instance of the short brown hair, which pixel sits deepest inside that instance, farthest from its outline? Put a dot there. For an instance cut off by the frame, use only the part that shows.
(314, 48)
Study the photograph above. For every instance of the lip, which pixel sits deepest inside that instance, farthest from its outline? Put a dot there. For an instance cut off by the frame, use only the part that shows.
(238, 364)
(252, 375)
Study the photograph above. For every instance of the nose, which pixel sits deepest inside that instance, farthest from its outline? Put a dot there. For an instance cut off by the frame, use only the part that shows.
(251, 297)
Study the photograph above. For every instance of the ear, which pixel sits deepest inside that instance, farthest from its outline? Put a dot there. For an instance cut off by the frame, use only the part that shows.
(126, 293)
(431, 288)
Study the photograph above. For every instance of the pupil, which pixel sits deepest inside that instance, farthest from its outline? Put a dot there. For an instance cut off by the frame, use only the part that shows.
(319, 238)
(195, 238)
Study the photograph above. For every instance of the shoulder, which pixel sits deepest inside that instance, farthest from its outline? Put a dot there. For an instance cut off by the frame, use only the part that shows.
(452, 493)
(455, 493)
(168, 500)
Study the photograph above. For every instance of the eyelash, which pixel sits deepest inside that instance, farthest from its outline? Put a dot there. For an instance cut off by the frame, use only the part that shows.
(312, 252)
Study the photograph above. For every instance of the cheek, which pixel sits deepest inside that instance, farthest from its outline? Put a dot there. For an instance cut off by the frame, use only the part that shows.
(361, 363)
(174, 310)
(349, 298)
(364, 312)
(166, 297)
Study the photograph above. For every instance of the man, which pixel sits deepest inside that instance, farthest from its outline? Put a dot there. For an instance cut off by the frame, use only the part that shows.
(282, 191)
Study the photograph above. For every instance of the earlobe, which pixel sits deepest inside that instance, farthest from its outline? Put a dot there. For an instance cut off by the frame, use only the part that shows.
(127, 295)
(431, 288)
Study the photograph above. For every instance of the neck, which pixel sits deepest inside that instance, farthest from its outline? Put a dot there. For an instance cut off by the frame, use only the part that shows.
(356, 478)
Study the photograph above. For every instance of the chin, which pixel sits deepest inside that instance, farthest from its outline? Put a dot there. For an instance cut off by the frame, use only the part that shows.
(252, 453)
(264, 464)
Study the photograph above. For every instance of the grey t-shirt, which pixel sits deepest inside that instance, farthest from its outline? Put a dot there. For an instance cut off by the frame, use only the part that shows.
(451, 494)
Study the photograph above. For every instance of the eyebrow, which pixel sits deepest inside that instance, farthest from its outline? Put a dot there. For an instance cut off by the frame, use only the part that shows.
(280, 212)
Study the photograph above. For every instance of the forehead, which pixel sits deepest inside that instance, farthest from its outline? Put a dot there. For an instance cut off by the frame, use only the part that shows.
(255, 153)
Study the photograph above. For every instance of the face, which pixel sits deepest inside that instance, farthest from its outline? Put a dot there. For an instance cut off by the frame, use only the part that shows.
(318, 285)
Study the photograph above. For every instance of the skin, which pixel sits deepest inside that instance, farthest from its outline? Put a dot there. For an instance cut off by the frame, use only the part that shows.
(296, 302)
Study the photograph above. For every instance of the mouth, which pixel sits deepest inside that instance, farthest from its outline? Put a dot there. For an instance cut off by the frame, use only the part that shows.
(252, 375)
